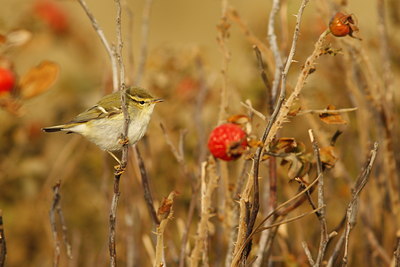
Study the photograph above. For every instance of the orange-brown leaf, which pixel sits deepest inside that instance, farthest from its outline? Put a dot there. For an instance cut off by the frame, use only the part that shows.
(284, 144)
(328, 157)
(332, 118)
(39, 79)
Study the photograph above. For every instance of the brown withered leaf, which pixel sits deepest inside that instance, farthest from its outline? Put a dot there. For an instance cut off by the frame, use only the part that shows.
(252, 142)
(328, 157)
(284, 144)
(39, 79)
(332, 118)
(166, 206)
(287, 145)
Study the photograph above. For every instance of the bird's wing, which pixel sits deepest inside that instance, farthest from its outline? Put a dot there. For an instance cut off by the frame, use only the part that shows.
(99, 111)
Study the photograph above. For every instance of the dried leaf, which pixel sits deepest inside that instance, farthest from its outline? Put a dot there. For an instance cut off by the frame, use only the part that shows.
(284, 144)
(39, 79)
(332, 118)
(254, 143)
(328, 157)
(166, 206)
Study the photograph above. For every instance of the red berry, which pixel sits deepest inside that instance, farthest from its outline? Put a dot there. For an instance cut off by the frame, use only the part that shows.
(227, 141)
(342, 24)
(52, 14)
(7, 80)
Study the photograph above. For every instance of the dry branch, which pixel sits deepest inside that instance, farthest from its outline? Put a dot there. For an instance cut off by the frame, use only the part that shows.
(104, 41)
(207, 188)
(321, 202)
(165, 213)
(146, 186)
(352, 208)
(56, 209)
(274, 121)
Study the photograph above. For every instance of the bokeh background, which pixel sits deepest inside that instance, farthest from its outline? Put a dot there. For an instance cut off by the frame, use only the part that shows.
(184, 67)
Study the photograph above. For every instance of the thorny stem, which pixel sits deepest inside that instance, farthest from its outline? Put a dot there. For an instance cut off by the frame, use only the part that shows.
(321, 201)
(106, 44)
(274, 47)
(56, 209)
(146, 187)
(274, 116)
(352, 208)
(223, 34)
(124, 140)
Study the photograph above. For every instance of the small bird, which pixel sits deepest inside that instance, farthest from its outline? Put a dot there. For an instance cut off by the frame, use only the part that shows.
(103, 123)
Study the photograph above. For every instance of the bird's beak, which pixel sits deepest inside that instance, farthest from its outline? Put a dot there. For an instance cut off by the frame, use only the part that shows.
(158, 100)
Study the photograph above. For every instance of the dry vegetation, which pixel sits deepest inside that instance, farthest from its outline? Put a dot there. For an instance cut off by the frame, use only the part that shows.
(318, 185)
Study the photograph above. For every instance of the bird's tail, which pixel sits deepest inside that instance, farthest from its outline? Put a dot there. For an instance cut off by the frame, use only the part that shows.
(52, 129)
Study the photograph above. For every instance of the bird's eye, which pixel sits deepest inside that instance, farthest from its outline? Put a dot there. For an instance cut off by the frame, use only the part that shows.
(141, 102)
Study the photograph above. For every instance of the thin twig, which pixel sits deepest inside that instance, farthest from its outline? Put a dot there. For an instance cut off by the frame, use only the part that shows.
(222, 36)
(113, 219)
(282, 110)
(165, 213)
(124, 138)
(3, 247)
(308, 253)
(328, 111)
(251, 109)
(198, 110)
(242, 245)
(56, 209)
(179, 156)
(144, 41)
(351, 212)
(146, 187)
(207, 189)
(274, 47)
(295, 218)
(106, 44)
(268, 133)
(264, 77)
(321, 202)
(52, 213)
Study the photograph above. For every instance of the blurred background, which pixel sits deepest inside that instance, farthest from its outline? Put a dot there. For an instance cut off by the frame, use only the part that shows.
(55, 39)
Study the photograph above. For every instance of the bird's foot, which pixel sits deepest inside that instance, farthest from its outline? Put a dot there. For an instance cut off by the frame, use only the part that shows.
(123, 141)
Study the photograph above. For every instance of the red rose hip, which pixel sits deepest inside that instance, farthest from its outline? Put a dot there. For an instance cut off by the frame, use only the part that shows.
(227, 142)
(342, 24)
(7, 80)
